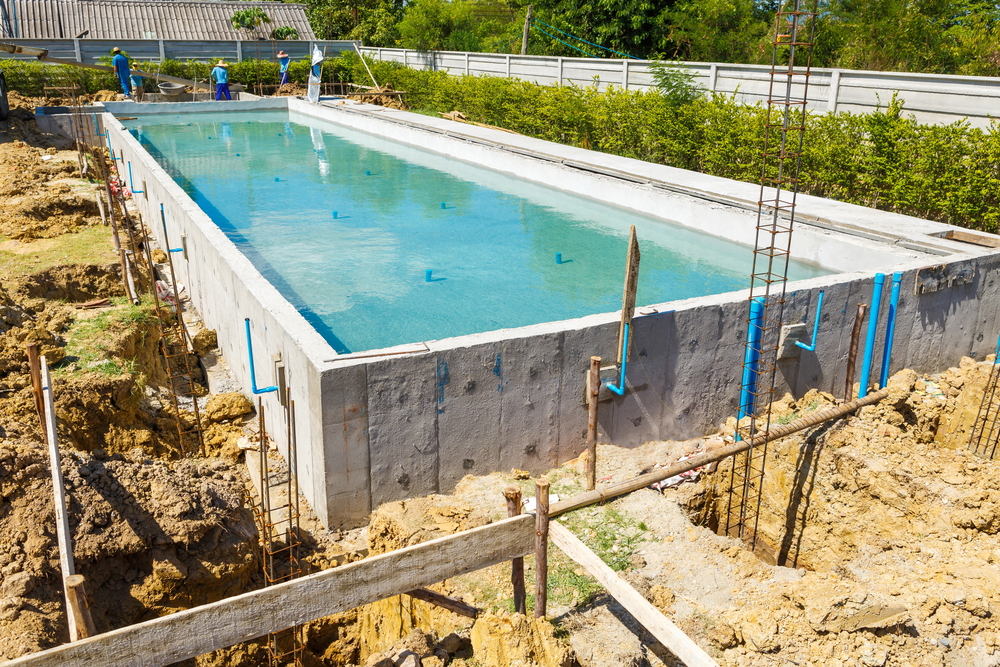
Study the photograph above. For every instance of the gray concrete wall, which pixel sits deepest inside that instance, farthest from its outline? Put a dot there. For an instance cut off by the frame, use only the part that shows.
(226, 288)
(377, 426)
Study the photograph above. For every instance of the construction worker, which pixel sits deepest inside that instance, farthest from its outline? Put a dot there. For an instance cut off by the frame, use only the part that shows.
(120, 63)
(284, 59)
(221, 77)
(137, 86)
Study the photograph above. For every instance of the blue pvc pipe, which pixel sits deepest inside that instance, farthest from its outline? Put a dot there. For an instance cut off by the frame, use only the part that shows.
(130, 186)
(620, 389)
(751, 357)
(996, 353)
(866, 365)
(890, 328)
(427, 275)
(253, 375)
(819, 310)
(558, 258)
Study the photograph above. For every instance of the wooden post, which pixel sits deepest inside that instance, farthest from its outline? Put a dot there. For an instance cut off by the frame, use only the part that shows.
(513, 496)
(524, 34)
(36, 385)
(628, 294)
(76, 593)
(852, 353)
(541, 545)
(593, 389)
(445, 602)
(59, 495)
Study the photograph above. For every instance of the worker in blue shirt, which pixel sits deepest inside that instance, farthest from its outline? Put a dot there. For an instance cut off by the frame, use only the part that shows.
(137, 86)
(120, 63)
(221, 77)
(284, 59)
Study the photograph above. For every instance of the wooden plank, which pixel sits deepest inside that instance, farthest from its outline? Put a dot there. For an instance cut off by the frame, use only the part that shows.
(628, 294)
(192, 632)
(651, 618)
(59, 496)
(445, 602)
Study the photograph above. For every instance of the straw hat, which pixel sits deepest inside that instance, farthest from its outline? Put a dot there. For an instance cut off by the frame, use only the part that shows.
(221, 64)
(282, 54)
(116, 50)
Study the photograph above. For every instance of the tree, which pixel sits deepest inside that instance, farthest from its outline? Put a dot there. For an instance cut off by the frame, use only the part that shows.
(374, 22)
(249, 19)
(284, 32)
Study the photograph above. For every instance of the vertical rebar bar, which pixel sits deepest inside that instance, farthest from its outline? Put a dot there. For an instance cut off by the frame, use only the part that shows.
(784, 134)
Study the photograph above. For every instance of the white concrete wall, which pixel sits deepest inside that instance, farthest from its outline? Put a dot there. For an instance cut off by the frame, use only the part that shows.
(932, 98)
(378, 427)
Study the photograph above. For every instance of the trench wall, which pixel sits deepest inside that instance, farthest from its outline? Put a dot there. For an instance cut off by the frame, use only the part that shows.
(380, 427)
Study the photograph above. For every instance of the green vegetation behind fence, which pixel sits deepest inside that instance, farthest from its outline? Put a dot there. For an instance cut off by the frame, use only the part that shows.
(885, 160)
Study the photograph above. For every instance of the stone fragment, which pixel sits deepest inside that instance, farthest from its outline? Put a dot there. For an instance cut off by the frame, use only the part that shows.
(222, 407)
(17, 585)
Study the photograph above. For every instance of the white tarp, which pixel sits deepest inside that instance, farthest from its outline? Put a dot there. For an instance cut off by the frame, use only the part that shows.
(314, 75)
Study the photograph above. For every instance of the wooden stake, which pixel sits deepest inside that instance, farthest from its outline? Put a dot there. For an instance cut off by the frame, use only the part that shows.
(59, 494)
(36, 385)
(76, 593)
(541, 546)
(593, 388)
(513, 496)
(631, 284)
(445, 602)
(852, 353)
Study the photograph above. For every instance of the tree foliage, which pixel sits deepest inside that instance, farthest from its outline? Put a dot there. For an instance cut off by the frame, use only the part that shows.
(284, 32)
(249, 19)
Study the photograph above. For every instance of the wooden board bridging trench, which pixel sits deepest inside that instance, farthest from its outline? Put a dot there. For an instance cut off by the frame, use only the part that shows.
(192, 632)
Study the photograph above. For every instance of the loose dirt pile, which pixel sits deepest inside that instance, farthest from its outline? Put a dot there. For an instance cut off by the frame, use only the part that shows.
(149, 536)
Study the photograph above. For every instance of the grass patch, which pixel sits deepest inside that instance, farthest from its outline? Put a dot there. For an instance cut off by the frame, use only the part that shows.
(91, 340)
(91, 245)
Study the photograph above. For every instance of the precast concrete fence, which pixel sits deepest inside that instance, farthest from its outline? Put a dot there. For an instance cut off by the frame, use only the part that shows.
(90, 51)
(932, 98)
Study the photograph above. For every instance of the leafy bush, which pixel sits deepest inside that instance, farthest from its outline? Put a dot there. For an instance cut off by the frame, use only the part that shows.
(885, 160)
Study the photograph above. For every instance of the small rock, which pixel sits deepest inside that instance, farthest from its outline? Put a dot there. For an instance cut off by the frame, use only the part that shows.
(18, 585)
(221, 407)
(10, 608)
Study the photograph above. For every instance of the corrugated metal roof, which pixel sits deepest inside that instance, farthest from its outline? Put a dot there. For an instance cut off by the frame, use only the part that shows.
(140, 19)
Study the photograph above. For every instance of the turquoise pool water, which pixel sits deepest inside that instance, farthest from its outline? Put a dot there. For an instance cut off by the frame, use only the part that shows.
(346, 225)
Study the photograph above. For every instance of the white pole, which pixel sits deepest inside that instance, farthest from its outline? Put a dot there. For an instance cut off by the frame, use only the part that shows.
(59, 495)
(831, 104)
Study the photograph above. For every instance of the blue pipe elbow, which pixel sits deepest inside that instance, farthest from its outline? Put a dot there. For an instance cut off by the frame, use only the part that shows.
(130, 186)
(819, 310)
(620, 388)
(253, 375)
(890, 328)
(866, 366)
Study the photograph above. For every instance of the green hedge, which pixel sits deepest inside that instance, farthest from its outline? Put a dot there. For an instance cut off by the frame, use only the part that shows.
(885, 159)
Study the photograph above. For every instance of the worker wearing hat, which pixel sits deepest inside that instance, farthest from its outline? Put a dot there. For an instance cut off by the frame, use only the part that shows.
(120, 63)
(284, 59)
(221, 77)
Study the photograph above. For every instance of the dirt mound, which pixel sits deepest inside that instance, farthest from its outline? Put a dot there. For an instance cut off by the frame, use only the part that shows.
(73, 282)
(150, 538)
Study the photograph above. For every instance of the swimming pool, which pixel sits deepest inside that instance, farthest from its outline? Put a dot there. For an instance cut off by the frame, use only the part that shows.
(377, 243)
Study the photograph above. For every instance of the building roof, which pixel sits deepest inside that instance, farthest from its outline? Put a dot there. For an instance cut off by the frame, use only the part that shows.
(161, 19)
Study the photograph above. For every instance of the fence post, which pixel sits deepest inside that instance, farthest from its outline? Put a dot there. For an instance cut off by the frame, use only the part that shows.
(560, 77)
(713, 77)
(239, 51)
(831, 104)
(76, 50)
(541, 546)
(625, 74)
(467, 63)
(508, 65)
(163, 51)
(513, 496)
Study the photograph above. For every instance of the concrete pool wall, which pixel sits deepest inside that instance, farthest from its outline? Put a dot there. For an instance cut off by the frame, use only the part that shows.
(411, 420)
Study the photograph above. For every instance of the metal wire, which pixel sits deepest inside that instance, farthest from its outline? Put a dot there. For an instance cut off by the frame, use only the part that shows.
(779, 183)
